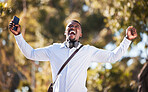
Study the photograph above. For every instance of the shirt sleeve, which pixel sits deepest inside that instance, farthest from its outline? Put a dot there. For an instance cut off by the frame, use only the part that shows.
(40, 54)
(100, 55)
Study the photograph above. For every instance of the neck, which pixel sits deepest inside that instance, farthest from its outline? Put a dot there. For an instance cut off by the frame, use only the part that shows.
(72, 43)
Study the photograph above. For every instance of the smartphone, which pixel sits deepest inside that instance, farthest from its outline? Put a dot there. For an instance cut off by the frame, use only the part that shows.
(133, 30)
(15, 21)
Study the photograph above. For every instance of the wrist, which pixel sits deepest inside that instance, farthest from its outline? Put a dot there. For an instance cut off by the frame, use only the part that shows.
(128, 38)
(18, 34)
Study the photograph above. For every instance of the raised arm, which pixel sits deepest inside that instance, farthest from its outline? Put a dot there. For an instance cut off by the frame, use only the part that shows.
(41, 54)
(99, 55)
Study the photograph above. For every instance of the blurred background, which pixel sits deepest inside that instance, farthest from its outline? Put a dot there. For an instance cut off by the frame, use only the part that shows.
(103, 23)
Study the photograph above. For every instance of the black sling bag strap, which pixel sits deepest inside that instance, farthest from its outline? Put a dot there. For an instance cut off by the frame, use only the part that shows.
(50, 89)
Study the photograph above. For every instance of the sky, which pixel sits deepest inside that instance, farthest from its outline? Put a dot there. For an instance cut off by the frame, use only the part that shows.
(2, 0)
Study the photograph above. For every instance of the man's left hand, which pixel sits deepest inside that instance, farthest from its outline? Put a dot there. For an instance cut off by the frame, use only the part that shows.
(131, 33)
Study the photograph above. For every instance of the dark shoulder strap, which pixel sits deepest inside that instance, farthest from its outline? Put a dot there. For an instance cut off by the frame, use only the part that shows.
(67, 62)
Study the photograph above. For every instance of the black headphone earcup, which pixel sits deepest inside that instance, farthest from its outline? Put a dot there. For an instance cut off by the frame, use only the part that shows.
(76, 43)
(71, 45)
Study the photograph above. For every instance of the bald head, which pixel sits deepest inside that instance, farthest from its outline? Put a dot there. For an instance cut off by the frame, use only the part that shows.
(73, 30)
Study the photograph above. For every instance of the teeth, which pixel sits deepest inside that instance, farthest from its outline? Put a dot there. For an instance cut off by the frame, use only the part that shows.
(72, 32)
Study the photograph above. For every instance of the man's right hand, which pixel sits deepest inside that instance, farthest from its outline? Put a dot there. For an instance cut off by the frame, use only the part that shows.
(11, 26)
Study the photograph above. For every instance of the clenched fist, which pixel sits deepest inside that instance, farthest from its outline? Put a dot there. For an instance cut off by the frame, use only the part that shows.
(131, 33)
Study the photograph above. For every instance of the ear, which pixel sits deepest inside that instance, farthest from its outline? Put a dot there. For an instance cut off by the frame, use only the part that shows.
(64, 33)
(80, 34)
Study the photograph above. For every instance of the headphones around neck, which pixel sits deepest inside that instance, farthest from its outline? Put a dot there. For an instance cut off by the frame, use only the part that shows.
(71, 44)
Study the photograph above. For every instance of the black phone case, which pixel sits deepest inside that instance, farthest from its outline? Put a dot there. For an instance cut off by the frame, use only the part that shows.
(15, 21)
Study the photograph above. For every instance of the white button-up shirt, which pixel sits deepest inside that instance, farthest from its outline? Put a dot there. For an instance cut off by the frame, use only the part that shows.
(73, 76)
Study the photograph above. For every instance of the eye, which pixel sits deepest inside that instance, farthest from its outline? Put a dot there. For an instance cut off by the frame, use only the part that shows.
(76, 26)
(70, 26)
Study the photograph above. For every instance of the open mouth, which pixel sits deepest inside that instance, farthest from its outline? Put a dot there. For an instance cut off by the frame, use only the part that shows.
(72, 32)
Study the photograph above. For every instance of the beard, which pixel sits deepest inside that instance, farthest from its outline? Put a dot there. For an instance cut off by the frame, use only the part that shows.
(71, 39)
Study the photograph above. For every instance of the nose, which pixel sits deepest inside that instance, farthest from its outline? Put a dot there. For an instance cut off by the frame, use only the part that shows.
(72, 27)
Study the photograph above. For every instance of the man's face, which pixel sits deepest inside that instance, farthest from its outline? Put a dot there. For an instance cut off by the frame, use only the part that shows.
(73, 31)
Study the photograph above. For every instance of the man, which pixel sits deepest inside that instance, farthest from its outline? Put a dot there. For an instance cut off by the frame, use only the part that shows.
(73, 76)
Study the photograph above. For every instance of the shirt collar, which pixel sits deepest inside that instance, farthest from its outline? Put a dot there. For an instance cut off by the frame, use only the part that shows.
(63, 45)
